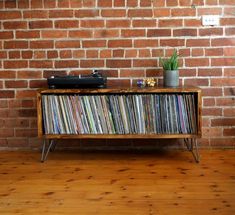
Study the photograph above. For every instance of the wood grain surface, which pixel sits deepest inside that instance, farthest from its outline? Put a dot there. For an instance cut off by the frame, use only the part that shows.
(144, 183)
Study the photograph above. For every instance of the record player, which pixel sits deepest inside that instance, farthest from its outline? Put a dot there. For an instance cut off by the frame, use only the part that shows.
(95, 80)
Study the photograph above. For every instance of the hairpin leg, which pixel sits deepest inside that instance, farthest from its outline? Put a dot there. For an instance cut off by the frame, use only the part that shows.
(192, 146)
(46, 149)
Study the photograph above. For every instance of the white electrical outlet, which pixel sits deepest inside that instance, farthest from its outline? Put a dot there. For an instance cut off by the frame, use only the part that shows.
(210, 20)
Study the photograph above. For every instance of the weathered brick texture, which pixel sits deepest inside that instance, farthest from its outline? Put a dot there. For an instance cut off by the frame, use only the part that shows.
(125, 39)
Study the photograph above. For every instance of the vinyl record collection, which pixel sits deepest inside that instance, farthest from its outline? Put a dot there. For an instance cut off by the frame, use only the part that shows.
(119, 114)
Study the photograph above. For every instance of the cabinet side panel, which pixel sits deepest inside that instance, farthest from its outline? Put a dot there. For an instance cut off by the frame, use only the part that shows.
(39, 114)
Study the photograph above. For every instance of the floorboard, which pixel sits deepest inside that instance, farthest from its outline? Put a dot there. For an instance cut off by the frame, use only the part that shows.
(135, 183)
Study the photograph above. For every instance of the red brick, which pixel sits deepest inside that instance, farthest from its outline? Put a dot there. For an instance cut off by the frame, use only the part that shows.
(3, 54)
(92, 54)
(66, 63)
(67, 44)
(197, 62)
(40, 24)
(212, 92)
(214, 52)
(229, 91)
(23, 4)
(93, 43)
(26, 94)
(106, 33)
(89, 3)
(75, 4)
(223, 82)
(133, 33)
(132, 3)
(91, 63)
(196, 82)
(38, 84)
(143, 43)
(208, 102)
(63, 3)
(229, 112)
(66, 23)
(60, 13)
(105, 53)
(197, 52)
(185, 32)
(212, 132)
(92, 23)
(140, 13)
(3, 142)
(209, 11)
(227, 21)
(36, 3)
(27, 54)
(187, 72)
(16, 84)
(197, 42)
(16, 123)
(78, 53)
(41, 64)
(183, 12)
(225, 101)
(119, 63)
(119, 43)
(172, 42)
(49, 4)
(6, 35)
(6, 15)
(42, 44)
(39, 54)
(35, 14)
(170, 23)
(113, 13)
(211, 2)
(222, 142)
(227, 2)
(6, 133)
(27, 34)
(14, 54)
(223, 42)
(66, 54)
(223, 61)
(80, 34)
(158, 32)
(210, 72)
(192, 22)
(229, 72)
(15, 64)
(141, 23)
(229, 132)
(26, 132)
(229, 51)
(222, 122)
(7, 74)
(7, 94)
(28, 103)
(10, 4)
(144, 53)
(118, 23)
(29, 74)
(86, 13)
(16, 44)
(104, 3)
(185, 2)
(132, 73)
(119, 83)
(229, 31)
(164, 12)
(212, 111)
(145, 63)
(121, 3)
(211, 31)
(54, 34)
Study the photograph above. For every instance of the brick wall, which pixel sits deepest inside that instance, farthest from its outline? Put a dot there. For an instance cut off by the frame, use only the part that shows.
(125, 38)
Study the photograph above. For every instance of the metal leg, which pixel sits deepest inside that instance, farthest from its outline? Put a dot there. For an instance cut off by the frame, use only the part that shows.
(46, 151)
(53, 146)
(192, 146)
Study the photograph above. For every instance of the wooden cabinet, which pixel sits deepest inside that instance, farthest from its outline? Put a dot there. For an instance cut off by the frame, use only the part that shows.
(115, 113)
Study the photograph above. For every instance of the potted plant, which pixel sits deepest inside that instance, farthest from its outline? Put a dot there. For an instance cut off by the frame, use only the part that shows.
(170, 70)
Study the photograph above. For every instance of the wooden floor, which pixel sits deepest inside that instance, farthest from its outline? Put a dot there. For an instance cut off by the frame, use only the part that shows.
(118, 183)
